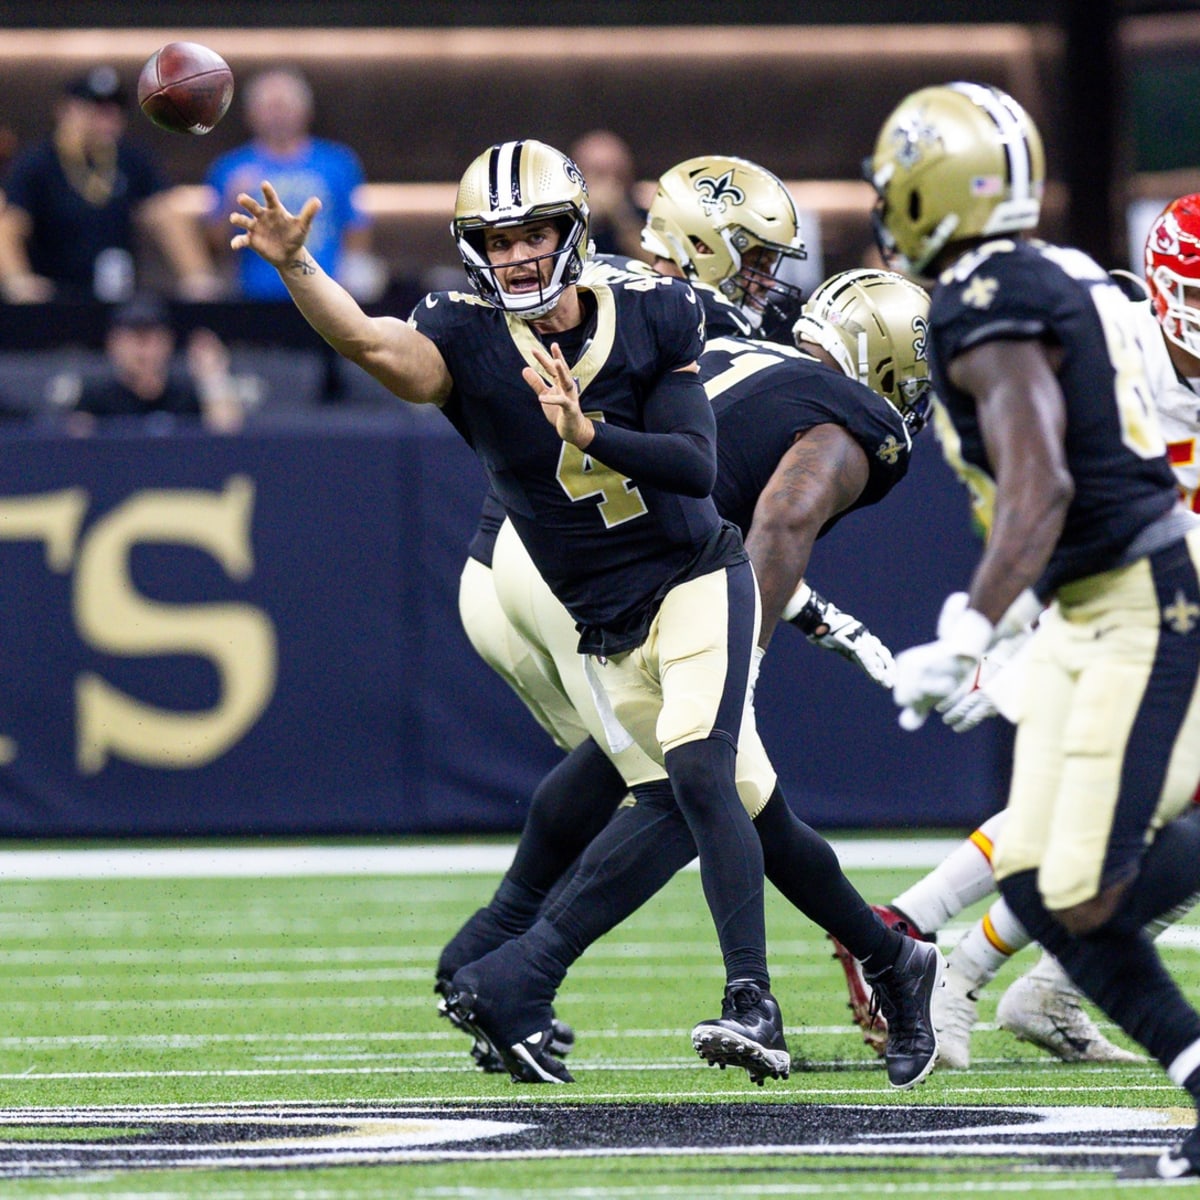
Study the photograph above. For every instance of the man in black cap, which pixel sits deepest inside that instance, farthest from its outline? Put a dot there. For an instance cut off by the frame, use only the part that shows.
(75, 198)
(138, 380)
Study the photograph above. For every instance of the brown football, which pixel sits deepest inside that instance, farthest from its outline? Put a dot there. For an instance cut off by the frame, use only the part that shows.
(185, 87)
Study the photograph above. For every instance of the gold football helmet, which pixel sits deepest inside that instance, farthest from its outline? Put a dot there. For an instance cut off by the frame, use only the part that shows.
(875, 326)
(513, 183)
(730, 223)
(959, 161)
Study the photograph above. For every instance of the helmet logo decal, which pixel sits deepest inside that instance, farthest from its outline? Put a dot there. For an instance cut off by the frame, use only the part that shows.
(980, 292)
(913, 137)
(920, 343)
(574, 174)
(986, 186)
(1166, 236)
(717, 194)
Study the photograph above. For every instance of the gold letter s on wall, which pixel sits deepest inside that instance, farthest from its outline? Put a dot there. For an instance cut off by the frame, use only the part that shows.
(112, 616)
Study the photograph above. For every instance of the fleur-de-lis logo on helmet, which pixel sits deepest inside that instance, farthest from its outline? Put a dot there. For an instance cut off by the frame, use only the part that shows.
(574, 174)
(717, 194)
(913, 137)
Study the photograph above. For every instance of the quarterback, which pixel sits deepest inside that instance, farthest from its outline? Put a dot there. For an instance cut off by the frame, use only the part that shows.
(613, 503)
(1047, 415)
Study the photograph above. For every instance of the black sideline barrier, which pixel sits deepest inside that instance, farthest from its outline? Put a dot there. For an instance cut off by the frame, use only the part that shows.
(259, 635)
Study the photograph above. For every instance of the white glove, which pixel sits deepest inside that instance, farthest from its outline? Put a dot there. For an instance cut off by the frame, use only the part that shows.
(932, 673)
(809, 611)
(991, 691)
(969, 705)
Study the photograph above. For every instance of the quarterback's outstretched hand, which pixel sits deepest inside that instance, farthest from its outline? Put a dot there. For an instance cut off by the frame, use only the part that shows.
(930, 674)
(558, 394)
(273, 232)
(825, 625)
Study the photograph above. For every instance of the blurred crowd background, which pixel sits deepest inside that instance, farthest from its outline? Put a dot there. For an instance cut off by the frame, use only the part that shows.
(377, 107)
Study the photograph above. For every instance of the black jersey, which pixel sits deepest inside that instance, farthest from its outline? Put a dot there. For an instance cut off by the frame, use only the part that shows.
(722, 318)
(1114, 450)
(608, 546)
(764, 395)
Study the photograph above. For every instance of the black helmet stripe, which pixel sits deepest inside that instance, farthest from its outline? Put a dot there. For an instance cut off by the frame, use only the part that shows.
(504, 175)
(1009, 124)
(493, 182)
(515, 183)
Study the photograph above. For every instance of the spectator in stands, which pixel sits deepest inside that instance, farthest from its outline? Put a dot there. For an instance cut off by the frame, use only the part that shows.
(608, 166)
(76, 199)
(138, 379)
(279, 112)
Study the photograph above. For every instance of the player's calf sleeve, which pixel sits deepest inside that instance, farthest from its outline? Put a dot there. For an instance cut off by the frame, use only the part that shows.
(569, 807)
(731, 857)
(627, 863)
(1169, 874)
(1119, 970)
(805, 869)
(989, 944)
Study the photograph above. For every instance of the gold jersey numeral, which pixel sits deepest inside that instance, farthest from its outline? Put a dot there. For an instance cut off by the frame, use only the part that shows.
(582, 477)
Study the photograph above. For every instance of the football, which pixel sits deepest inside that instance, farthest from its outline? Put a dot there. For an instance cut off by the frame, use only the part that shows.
(185, 88)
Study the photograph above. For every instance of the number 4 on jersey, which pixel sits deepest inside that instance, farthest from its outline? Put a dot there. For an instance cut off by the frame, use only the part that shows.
(581, 477)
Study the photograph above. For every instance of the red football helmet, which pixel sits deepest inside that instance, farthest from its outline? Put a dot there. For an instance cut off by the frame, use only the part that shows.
(1173, 271)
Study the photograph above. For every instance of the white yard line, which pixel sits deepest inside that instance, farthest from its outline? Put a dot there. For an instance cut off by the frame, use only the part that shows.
(458, 859)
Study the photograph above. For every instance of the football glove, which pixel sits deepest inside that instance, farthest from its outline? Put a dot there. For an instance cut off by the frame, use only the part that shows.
(825, 625)
(929, 674)
(991, 692)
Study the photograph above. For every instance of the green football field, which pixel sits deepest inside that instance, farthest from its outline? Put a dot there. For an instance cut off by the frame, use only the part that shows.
(253, 1033)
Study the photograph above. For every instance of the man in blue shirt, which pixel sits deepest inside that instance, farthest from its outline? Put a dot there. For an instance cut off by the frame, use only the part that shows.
(279, 111)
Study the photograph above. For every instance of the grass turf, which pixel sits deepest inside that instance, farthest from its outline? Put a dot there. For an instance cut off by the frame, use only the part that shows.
(259, 993)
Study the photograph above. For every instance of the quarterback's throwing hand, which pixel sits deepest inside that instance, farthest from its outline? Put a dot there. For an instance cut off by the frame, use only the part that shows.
(928, 675)
(270, 230)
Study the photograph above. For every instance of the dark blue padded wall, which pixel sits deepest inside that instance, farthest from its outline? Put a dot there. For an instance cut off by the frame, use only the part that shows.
(259, 635)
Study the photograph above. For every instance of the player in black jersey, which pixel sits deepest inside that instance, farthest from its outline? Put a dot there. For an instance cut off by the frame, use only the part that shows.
(782, 416)
(1046, 412)
(613, 502)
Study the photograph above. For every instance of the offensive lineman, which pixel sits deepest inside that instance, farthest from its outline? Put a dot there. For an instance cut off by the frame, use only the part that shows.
(1049, 420)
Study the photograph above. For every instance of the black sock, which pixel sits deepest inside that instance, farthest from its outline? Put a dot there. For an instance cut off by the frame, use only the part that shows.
(1118, 968)
(731, 857)
(804, 867)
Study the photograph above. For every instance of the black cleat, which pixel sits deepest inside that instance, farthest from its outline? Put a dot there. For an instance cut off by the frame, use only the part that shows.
(748, 1033)
(904, 994)
(486, 1057)
(528, 1058)
(1183, 1161)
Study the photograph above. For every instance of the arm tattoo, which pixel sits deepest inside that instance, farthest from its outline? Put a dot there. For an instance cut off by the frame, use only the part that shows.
(303, 263)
